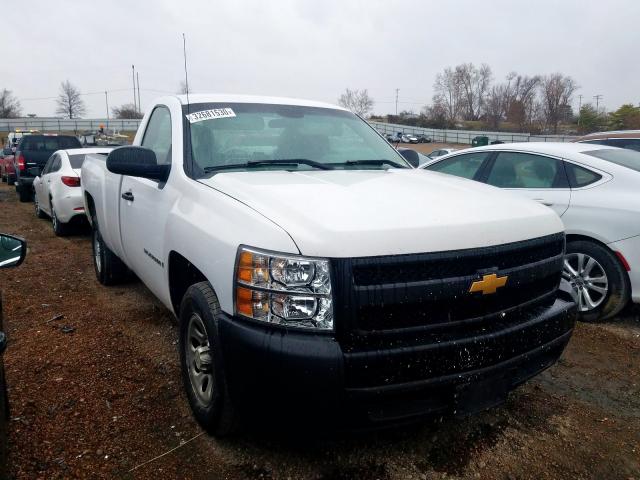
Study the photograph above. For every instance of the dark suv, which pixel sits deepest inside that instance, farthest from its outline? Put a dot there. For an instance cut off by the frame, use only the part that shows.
(34, 151)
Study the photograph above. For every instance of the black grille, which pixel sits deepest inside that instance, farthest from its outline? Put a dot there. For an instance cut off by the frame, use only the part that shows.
(409, 319)
(434, 291)
(417, 268)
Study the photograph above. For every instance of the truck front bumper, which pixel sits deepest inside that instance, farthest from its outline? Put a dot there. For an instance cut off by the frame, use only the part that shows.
(296, 378)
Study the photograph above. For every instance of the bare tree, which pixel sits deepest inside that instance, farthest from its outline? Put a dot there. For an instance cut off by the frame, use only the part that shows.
(556, 94)
(474, 83)
(495, 105)
(128, 110)
(448, 94)
(70, 103)
(9, 105)
(358, 101)
(520, 99)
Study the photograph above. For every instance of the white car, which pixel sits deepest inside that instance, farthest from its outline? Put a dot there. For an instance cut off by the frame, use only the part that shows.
(441, 152)
(311, 268)
(57, 192)
(594, 188)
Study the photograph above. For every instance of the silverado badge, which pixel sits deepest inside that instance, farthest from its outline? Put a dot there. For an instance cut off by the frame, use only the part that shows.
(489, 284)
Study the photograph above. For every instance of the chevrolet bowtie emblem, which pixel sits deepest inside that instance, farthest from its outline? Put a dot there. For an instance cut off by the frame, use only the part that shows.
(489, 284)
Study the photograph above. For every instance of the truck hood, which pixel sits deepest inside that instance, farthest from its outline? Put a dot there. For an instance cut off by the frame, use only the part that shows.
(366, 213)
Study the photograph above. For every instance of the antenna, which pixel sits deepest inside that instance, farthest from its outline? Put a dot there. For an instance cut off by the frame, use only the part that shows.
(186, 84)
(186, 75)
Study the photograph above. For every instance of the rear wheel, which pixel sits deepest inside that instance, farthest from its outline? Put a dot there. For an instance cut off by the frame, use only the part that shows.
(109, 269)
(599, 284)
(59, 228)
(203, 373)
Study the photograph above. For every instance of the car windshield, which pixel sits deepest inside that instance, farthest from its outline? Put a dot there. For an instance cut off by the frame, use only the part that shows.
(242, 136)
(619, 156)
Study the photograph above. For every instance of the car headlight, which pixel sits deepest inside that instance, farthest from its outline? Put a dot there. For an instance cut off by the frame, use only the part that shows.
(283, 289)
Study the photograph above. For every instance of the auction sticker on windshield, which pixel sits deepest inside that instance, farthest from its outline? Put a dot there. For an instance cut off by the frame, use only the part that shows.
(210, 114)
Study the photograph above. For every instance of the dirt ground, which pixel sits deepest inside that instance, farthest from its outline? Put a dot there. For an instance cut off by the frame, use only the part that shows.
(95, 393)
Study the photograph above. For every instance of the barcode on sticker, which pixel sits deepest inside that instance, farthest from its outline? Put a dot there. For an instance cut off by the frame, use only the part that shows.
(210, 114)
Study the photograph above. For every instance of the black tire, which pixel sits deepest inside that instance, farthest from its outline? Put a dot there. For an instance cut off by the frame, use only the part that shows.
(59, 228)
(24, 194)
(10, 180)
(619, 290)
(216, 415)
(5, 178)
(38, 210)
(110, 270)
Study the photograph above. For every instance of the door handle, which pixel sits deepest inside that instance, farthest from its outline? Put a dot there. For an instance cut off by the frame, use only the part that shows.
(128, 196)
(544, 202)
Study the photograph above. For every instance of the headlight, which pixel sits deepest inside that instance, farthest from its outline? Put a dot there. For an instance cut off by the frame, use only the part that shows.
(284, 289)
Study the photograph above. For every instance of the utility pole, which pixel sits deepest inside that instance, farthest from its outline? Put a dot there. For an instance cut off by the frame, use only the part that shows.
(106, 101)
(597, 97)
(397, 90)
(139, 101)
(133, 77)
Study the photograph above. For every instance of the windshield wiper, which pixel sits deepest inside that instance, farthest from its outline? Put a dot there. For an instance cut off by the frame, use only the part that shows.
(260, 163)
(374, 162)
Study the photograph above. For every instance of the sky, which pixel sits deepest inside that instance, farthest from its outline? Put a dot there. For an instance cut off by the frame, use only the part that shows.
(311, 49)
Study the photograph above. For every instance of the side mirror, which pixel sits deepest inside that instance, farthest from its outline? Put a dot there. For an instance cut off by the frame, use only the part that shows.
(410, 156)
(34, 171)
(137, 162)
(12, 251)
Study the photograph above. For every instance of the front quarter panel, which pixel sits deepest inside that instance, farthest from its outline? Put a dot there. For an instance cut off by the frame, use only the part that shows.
(207, 226)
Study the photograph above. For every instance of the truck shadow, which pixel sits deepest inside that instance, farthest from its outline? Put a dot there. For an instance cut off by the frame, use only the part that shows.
(444, 445)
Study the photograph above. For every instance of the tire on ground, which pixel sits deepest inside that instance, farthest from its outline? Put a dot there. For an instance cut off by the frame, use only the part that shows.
(618, 281)
(24, 194)
(111, 269)
(218, 417)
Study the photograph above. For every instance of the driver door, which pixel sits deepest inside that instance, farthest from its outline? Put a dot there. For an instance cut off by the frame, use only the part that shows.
(144, 207)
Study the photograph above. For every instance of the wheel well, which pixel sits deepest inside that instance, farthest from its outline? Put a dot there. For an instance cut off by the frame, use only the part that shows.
(182, 274)
(91, 205)
(575, 237)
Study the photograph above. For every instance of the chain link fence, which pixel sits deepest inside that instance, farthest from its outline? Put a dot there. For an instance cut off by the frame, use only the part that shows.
(466, 136)
(77, 126)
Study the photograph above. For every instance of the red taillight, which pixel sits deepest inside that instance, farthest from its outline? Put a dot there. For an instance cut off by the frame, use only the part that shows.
(22, 166)
(623, 260)
(71, 181)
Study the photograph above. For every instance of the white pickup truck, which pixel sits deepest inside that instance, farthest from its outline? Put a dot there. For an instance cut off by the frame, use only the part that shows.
(315, 275)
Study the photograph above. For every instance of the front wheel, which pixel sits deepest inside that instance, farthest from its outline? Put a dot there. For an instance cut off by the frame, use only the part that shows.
(38, 210)
(203, 374)
(599, 284)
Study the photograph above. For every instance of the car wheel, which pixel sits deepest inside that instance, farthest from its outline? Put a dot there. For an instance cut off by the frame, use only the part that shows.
(110, 270)
(599, 283)
(59, 228)
(203, 374)
(24, 194)
(38, 210)
(10, 180)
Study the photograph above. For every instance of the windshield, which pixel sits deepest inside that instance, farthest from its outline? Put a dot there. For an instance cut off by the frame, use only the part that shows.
(254, 136)
(619, 156)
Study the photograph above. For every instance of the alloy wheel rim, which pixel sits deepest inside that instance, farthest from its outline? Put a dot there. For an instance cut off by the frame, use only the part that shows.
(199, 360)
(588, 280)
